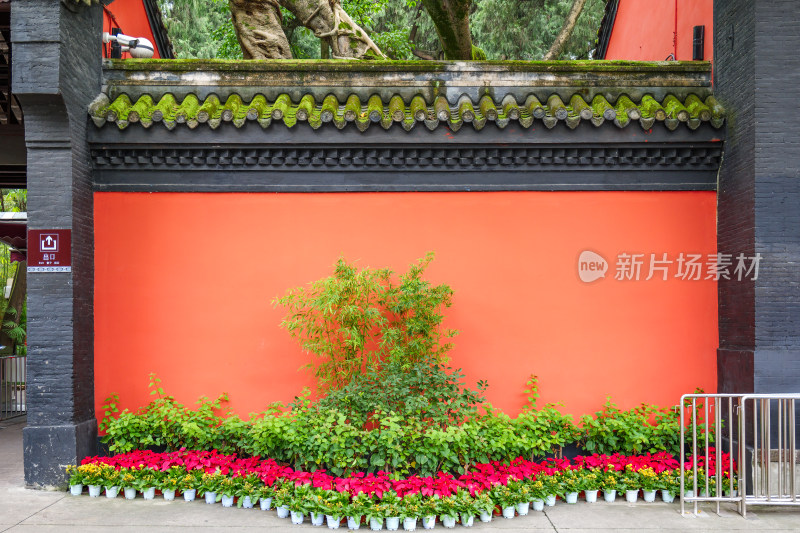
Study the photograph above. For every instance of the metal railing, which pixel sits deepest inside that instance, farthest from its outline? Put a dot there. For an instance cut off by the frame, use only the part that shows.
(751, 458)
(13, 379)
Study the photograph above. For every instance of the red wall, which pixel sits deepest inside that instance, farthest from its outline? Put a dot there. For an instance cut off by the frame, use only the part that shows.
(132, 20)
(644, 29)
(184, 284)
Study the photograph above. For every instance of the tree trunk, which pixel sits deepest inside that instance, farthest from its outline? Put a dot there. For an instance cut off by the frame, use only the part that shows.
(566, 30)
(329, 22)
(451, 18)
(258, 29)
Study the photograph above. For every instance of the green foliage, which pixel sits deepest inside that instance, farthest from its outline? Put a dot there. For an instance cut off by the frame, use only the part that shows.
(642, 429)
(189, 24)
(17, 330)
(529, 27)
(364, 322)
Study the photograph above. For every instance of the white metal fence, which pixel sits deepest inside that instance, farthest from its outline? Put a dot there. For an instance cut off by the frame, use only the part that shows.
(13, 379)
(751, 457)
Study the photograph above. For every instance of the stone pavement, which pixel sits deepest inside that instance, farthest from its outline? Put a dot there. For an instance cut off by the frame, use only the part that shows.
(30, 511)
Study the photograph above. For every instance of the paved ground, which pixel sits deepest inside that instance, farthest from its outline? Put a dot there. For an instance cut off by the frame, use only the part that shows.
(31, 511)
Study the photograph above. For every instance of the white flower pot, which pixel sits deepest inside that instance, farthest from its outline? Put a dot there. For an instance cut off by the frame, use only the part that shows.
(265, 503)
(508, 512)
(169, 494)
(227, 501)
(333, 521)
(731, 493)
(247, 502)
(523, 508)
(572, 497)
(591, 496)
(130, 493)
(467, 520)
(211, 497)
(353, 522)
(317, 519)
(486, 516)
(689, 493)
(649, 496)
(448, 521)
(111, 492)
(610, 495)
(76, 490)
(631, 495)
(297, 517)
(667, 496)
(94, 491)
(283, 511)
(392, 523)
(410, 524)
(189, 495)
(550, 500)
(428, 522)
(376, 524)
(538, 505)
(149, 493)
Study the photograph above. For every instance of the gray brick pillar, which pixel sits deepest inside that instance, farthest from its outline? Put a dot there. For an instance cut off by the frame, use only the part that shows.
(756, 74)
(57, 55)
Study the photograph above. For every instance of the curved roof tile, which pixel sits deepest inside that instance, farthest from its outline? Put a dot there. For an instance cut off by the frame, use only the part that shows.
(406, 113)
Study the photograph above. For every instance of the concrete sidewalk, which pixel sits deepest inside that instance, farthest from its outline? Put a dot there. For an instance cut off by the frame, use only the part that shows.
(31, 511)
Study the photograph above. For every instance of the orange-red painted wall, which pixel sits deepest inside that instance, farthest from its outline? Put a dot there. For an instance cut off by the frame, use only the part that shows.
(132, 20)
(645, 29)
(184, 284)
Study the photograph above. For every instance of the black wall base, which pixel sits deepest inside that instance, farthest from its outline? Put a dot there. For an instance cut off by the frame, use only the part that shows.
(50, 449)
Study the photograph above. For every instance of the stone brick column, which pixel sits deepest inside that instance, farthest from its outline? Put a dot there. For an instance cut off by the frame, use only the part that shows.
(756, 74)
(57, 71)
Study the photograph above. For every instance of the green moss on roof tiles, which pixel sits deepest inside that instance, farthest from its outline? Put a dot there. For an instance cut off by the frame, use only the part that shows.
(693, 111)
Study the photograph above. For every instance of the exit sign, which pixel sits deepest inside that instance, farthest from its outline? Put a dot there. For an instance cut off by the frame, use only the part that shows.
(49, 250)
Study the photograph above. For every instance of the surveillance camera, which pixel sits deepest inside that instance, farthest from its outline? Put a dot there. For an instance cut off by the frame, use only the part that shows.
(138, 47)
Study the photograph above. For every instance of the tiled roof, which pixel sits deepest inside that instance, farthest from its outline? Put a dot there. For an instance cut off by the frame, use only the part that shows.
(406, 113)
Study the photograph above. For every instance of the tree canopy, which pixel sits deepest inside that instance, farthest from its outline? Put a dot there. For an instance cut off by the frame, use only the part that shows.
(398, 29)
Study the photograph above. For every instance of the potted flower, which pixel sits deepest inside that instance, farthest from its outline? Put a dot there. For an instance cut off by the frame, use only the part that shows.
(316, 508)
(169, 482)
(391, 507)
(209, 486)
(467, 507)
(572, 483)
(146, 481)
(75, 480)
(552, 488)
(592, 480)
(429, 508)
(730, 489)
(648, 481)
(609, 485)
(189, 484)
(127, 481)
(111, 477)
(374, 514)
(448, 511)
(335, 505)
(506, 498)
(629, 482)
(282, 499)
(265, 495)
(485, 506)
(670, 485)
(410, 508)
(537, 492)
(228, 487)
(357, 508)
(523, 496)
(92, 475)
(247, 492)
(301, 503)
